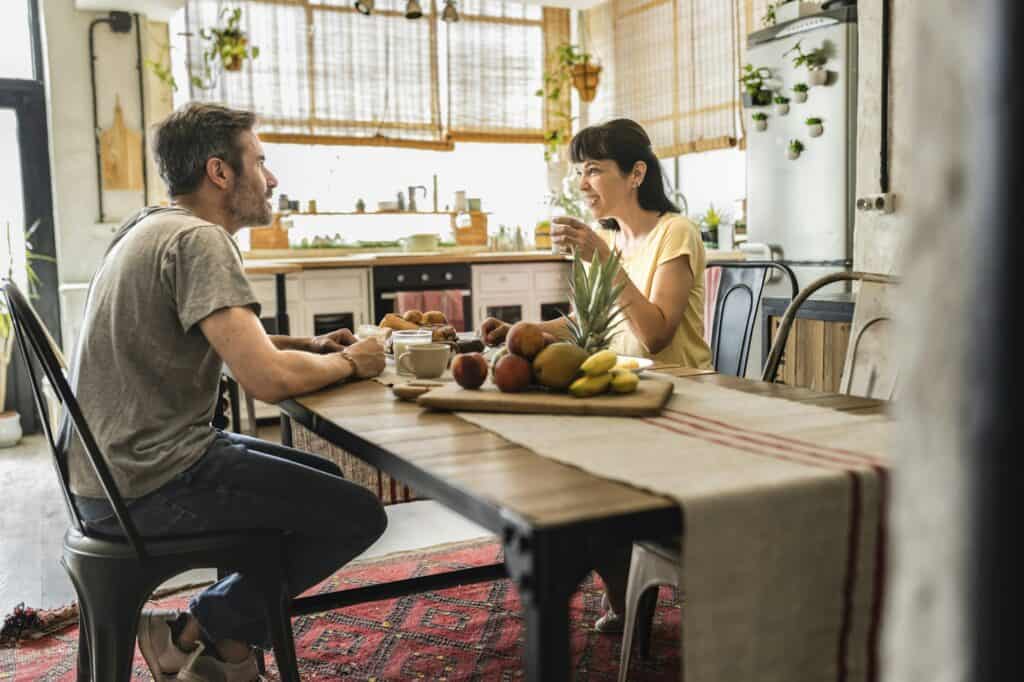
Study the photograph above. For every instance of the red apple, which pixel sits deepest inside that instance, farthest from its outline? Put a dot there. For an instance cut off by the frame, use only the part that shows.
(513, 373)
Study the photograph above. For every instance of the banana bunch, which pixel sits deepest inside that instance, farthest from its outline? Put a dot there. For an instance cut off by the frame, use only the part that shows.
(600, 374)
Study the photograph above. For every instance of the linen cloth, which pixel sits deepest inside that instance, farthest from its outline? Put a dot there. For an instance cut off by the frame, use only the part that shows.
(783, 551)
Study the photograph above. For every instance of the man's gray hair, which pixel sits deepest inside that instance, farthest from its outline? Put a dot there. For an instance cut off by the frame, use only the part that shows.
(188, 137)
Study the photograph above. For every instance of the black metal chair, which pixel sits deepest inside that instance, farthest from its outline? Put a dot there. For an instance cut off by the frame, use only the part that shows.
(114, 576)
(739, 296)
(867, 370)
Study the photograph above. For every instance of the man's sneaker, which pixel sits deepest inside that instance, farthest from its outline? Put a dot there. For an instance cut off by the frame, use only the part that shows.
(204, 668)
(156, 641)
(610, 621)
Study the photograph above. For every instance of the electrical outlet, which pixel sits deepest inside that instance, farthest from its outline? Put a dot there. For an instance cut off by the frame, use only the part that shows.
(876, 203)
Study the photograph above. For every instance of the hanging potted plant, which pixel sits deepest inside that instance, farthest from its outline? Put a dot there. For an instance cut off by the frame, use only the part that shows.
(752, 78)
(226, 49)
(814, 61)
(815, 127)
(800, 92)
(760, 121)
(576, 67)
(796, 148)
(781, 105)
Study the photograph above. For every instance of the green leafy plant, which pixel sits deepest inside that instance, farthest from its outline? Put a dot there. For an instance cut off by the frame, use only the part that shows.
(752, 80)
(815, 59)
(796, 146)
(760, 116)
(769, 15)
(781, 100)
(813, 121)
(555, 92)
(226, 49)
(801, 87)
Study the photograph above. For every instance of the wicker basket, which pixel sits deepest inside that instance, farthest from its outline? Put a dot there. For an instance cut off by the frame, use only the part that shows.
(475, 234)
(585, 78)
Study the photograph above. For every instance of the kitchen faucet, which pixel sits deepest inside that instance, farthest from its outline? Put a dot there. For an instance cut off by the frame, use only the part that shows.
(412, 196)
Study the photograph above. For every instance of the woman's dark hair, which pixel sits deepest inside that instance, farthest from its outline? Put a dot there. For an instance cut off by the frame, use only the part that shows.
(624, 142)
(188, 137)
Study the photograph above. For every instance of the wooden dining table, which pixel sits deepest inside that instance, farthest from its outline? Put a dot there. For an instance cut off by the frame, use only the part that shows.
(552, 519)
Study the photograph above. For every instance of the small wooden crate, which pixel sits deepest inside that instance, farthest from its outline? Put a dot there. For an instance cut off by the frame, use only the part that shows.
(475, 234)
(273, 237)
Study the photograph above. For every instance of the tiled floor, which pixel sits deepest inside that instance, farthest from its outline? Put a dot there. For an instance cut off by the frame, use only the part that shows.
(33, 520)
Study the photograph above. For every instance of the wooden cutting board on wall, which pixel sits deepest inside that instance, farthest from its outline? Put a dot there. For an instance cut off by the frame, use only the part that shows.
(647, 401)
(121, 154)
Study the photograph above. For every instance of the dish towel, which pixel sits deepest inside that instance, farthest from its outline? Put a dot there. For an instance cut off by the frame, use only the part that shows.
(448, 301)
(712, 280)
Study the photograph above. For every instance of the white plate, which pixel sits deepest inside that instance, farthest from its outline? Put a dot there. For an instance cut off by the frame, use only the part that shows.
(643, 363)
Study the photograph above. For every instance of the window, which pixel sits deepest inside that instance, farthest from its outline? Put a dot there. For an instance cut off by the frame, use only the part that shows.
(15, 41)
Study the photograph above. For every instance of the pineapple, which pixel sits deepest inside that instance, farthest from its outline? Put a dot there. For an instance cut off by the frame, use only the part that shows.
(594, 297)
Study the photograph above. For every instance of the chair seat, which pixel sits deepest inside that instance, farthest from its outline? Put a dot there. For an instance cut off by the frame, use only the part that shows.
(117, 548)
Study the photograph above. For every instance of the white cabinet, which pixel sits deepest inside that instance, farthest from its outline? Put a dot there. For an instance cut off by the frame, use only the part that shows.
(520, 291)
(335, 298)
(265, 289)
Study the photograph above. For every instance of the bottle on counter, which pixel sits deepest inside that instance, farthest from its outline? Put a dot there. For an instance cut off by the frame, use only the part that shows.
(360, 206)
(282, 202)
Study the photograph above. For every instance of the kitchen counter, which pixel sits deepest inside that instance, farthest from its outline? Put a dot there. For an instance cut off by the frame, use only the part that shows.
(296, 260)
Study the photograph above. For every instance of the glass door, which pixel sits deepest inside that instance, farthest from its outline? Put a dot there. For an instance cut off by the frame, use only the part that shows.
(26, 201)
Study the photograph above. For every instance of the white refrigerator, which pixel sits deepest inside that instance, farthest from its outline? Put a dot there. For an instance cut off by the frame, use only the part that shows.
(801, 211)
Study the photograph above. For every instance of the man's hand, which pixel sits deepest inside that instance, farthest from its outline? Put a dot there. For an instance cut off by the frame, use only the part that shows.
(493, 331)
(336, 341)
(367, 356)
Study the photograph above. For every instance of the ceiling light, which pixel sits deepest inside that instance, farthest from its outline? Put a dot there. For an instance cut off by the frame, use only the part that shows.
(413, 10)
(364, 6)
(449, 14)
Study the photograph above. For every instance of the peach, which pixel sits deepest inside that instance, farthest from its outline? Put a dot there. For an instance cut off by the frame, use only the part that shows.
(512, 373)
(469, 370)
(525, 339)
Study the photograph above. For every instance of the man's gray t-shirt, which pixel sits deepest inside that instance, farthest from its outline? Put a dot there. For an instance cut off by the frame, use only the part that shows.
(143, 372)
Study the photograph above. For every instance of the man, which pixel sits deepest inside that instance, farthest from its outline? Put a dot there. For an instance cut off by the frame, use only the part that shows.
(168, 305)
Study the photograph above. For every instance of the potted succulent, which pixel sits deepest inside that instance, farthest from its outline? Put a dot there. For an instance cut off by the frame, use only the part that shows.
(752, 78)
(815, 128)
(814, 61)
(800, 92)
(796, 147)
(709, 224)
(781, 105)
(760, 121)
(227, 47)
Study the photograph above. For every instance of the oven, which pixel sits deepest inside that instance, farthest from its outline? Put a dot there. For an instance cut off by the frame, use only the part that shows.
(450, 284)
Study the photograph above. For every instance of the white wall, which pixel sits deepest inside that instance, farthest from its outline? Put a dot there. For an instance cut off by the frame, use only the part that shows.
(81, 238)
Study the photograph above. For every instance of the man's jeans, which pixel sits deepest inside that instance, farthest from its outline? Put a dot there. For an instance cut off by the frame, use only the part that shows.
(330, 522)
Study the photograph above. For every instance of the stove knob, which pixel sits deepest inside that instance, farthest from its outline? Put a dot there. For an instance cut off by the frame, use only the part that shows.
(448, 277)
(425, 277)
(400, 278)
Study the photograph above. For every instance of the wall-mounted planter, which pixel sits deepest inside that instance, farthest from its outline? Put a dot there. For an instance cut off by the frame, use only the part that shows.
(800, 93)
(782, 106)
(795, 149)
(762, 99)
(817, 77)
(760, 122)
(815, 127)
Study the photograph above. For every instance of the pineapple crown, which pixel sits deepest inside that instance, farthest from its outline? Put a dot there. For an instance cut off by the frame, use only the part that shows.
(594, 296)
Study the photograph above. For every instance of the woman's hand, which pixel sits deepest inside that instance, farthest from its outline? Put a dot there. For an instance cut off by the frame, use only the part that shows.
(336, 341)
(367, 357)
(566, 232)
(493, 331)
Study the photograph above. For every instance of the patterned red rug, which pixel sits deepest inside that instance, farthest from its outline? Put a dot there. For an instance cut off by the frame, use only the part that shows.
(467, 633)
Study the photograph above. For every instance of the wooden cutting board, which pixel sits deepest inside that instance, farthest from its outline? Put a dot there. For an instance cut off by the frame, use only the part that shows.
(121, 154)
(647, 401)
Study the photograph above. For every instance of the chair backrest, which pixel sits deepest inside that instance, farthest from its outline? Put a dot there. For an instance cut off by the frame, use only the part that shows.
(736, 302)
(38, 354)
(868, 369)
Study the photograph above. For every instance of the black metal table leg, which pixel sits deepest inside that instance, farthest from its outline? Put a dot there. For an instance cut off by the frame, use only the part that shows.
(547, 568)
(286, 430)
(281, 318)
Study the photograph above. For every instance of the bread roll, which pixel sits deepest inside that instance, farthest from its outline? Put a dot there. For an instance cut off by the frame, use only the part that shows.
(434, 317)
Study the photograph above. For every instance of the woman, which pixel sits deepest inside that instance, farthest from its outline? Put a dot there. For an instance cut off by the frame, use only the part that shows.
(662, 265)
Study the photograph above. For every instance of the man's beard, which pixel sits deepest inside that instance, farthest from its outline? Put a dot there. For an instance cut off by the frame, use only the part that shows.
(248, 208)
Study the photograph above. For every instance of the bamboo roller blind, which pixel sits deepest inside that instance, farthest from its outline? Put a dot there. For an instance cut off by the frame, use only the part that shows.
(329, 75)
(672, 65)
(495, 56)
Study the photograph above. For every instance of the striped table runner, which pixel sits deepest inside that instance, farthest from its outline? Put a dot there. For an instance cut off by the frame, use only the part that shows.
(784, 505)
